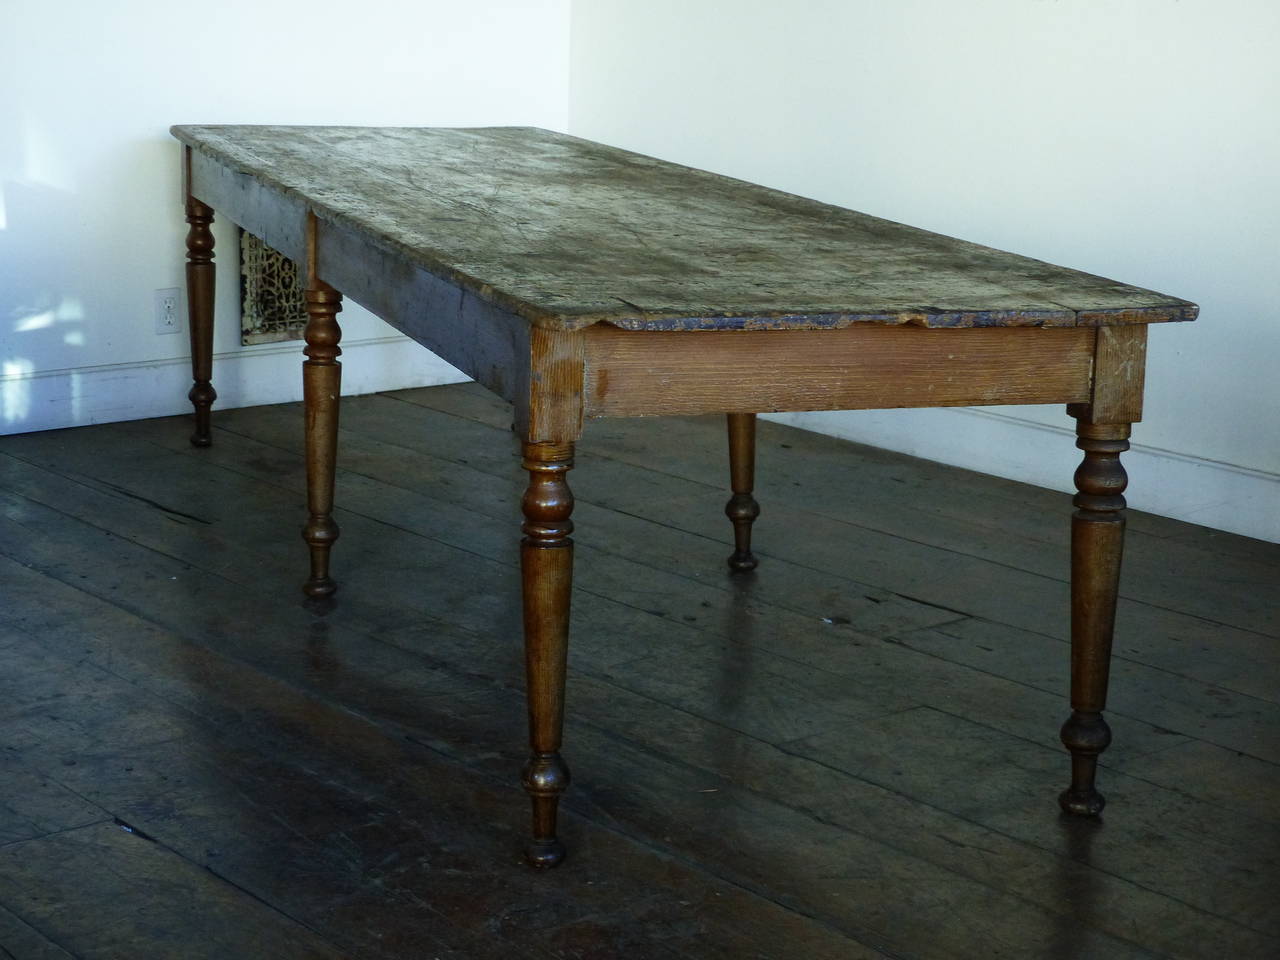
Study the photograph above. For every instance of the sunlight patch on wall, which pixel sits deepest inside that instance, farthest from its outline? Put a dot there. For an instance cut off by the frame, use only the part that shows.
(37, 321)
(15, 390)
(69, 308)
(76, 399)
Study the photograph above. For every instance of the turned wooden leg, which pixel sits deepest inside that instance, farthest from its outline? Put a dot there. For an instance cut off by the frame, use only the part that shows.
(321, 388)
(546, 564)
(1097, 539)
(200, 281)
(742, 508)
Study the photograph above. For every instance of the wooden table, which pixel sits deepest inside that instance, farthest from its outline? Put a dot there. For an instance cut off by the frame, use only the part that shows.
(579, 281)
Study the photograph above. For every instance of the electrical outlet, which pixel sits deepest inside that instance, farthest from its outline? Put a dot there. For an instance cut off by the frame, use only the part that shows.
(168, 306)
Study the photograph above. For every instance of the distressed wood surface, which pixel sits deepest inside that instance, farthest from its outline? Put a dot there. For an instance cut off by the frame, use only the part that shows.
(632, 373)
(553, 411)
(566, 233)
(1119, 374)
(279, 219)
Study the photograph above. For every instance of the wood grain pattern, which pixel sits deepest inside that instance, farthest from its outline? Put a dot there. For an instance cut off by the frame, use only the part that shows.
(632, 373)
(1119, 374)
(565, 233)
(553, 410)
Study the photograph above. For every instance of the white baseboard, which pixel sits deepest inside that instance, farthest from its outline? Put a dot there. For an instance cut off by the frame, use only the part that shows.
(52, 399)
(1219, 495)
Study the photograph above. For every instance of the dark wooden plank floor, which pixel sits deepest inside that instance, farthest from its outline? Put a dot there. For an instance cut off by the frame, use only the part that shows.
(851, 753)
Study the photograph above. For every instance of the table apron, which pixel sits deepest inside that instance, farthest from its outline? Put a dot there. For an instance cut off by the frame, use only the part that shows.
(277, 219)
(639, 373)
(489, 344)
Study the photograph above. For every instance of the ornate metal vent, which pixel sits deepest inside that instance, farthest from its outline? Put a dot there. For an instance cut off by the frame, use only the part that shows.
(272, 306)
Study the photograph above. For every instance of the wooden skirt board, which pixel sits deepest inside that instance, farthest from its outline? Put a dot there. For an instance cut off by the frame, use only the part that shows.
(578, 281)
(630, 373)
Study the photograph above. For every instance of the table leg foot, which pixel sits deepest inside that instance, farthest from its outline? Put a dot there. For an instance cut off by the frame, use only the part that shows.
(200, 288)
(545, 778)
(1085, 735)
(1097, 542)
(546, 563)
(321, 389)
(202, 397)
(742, 508)
(320, 534)
(544, 854)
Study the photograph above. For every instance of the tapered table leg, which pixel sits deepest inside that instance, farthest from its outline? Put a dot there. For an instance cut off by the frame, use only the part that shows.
(321, 388)
(200, 286)
(742, 508)
(1097, 540)
(546, 564)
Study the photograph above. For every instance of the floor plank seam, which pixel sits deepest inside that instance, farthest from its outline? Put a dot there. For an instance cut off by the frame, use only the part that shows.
(57, 833)
(40, 933)
(1116, 657)
(1115, 769)
(315, 931)
(167, 510)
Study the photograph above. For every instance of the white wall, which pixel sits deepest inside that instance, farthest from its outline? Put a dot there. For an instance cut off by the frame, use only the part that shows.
(1137, 139)
(90, 213)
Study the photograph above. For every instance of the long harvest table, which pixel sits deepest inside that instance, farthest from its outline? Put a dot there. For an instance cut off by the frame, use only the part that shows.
(577, 281)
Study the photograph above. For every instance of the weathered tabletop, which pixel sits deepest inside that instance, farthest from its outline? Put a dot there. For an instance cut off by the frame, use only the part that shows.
(566, 232)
